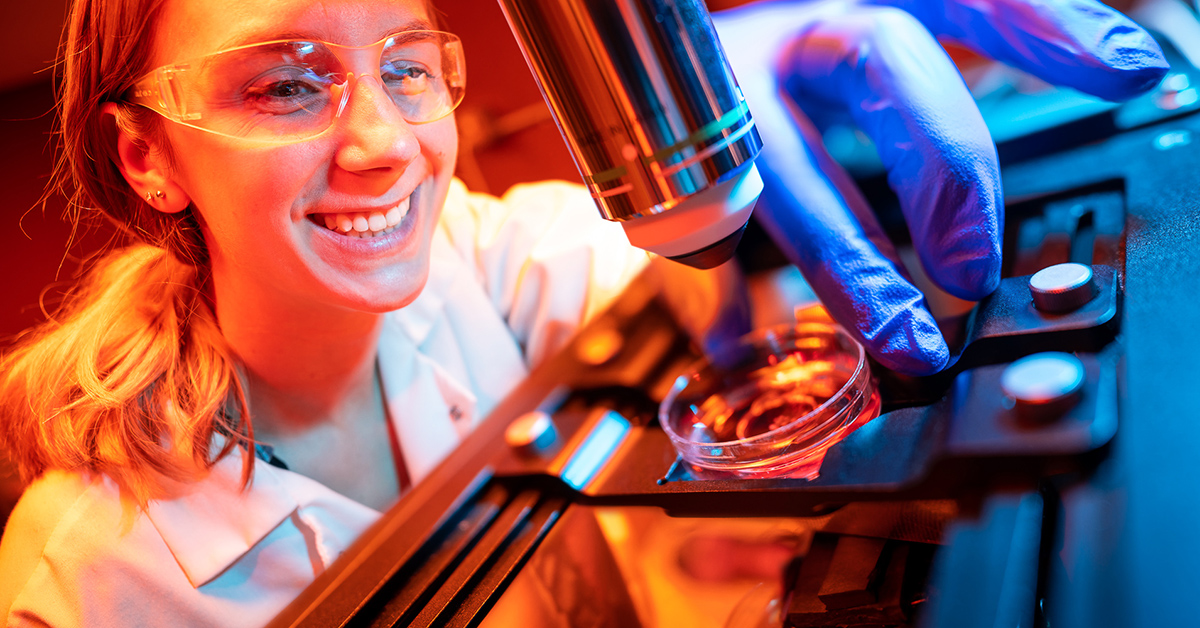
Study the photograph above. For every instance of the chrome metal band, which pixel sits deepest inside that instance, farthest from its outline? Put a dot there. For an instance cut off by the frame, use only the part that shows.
(642, 94)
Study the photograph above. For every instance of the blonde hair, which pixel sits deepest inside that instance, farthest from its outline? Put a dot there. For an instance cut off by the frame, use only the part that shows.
(131, 377)
(133, 381)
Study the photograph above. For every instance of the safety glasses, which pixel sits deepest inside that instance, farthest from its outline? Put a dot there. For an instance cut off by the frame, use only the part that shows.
(289, 91)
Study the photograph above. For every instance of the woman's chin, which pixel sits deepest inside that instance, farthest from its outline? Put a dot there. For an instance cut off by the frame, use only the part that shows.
(388, 293)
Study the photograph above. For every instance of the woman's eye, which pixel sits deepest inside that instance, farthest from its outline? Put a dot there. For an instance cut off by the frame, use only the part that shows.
(283, 90)
(406, 79)
(286, 89)
(281, 95)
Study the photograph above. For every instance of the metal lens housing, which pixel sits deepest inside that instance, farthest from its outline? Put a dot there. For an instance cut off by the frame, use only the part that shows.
(649, 107)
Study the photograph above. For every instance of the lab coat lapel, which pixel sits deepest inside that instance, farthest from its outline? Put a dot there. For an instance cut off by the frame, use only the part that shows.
(429, 411)
(214, 522)
(425, 404)
(454, 322)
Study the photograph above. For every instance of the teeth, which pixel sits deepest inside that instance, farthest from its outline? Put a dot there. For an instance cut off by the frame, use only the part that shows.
(397, 213)
(363, 225)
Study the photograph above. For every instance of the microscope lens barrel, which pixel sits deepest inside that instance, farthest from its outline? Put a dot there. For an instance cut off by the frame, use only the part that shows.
(649, 107)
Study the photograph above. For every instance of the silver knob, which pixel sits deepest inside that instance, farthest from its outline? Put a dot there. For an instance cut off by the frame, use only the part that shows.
(531, 433)
(598, 345)
(1062, 287)
(1043, 386)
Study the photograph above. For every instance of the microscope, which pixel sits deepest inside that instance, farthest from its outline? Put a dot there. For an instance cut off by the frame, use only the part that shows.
(654, 119)
(957, 506)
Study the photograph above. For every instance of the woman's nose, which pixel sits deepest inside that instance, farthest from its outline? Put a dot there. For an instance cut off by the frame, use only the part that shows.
(375, 138)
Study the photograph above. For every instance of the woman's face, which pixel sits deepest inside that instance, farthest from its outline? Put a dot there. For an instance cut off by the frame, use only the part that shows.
(265, 207)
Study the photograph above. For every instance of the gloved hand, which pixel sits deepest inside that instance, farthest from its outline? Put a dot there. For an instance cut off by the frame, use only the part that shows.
(880, 63)
(712, 306)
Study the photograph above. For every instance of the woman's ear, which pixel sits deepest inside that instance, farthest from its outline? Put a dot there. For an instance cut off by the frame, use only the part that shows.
(147, 170)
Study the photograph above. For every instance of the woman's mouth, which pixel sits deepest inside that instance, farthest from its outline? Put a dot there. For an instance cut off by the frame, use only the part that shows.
(364, 224)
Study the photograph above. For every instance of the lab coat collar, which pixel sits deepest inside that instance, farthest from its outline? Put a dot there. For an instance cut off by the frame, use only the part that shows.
(428, 426)
(214, 522)
(211, 524)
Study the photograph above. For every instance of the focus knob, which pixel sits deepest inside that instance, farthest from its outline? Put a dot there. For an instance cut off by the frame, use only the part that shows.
(1062, 287)
(531, 433)
(1043, 386)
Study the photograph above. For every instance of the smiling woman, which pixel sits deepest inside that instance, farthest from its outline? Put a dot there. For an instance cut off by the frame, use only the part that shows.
(310, 313)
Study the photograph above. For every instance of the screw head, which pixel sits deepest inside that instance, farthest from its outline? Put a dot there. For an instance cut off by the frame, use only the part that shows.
(1062, 288)
(1043, 386)
(531, 433)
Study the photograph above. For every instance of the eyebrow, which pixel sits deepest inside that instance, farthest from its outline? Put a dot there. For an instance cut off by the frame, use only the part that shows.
(249, 39)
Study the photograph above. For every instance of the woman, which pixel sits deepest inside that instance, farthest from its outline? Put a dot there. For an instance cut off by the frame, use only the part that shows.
(306, 259)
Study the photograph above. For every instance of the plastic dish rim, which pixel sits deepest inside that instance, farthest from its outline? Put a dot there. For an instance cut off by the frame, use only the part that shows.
(754, 337)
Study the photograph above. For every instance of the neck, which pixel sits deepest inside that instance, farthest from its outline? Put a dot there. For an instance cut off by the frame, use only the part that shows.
(306, 365)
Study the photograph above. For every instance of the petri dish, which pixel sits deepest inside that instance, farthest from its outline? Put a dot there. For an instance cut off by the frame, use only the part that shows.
(770, 404)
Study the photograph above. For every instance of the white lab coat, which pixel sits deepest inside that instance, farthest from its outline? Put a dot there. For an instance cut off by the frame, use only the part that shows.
(510, 280)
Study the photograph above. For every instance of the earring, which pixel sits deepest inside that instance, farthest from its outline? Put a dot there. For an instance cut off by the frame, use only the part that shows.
(159, 194)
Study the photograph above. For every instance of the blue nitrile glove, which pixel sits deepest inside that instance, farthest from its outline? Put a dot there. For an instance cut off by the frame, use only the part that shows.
(880, 63)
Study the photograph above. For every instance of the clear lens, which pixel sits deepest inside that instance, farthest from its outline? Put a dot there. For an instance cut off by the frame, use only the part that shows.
(423, 75)
(293, 90)
(277, 89)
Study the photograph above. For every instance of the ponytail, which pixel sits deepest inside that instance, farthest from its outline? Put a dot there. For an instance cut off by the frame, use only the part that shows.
(133, 380)
(131, 376)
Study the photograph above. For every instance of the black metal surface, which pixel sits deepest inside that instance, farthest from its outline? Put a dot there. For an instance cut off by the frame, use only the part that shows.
(404, 595)
(1006, 326)
(469, 609)
(1124, 545)
(469, 567)
(1130, 532)
(987, 573)
(924, 452)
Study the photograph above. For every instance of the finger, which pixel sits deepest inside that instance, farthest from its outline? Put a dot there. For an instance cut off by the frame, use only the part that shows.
(712, 306)
(833, 237)
(1077, 43)
(888, 72)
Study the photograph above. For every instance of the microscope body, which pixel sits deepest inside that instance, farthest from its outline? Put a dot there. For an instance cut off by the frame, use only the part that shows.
(650, 110)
